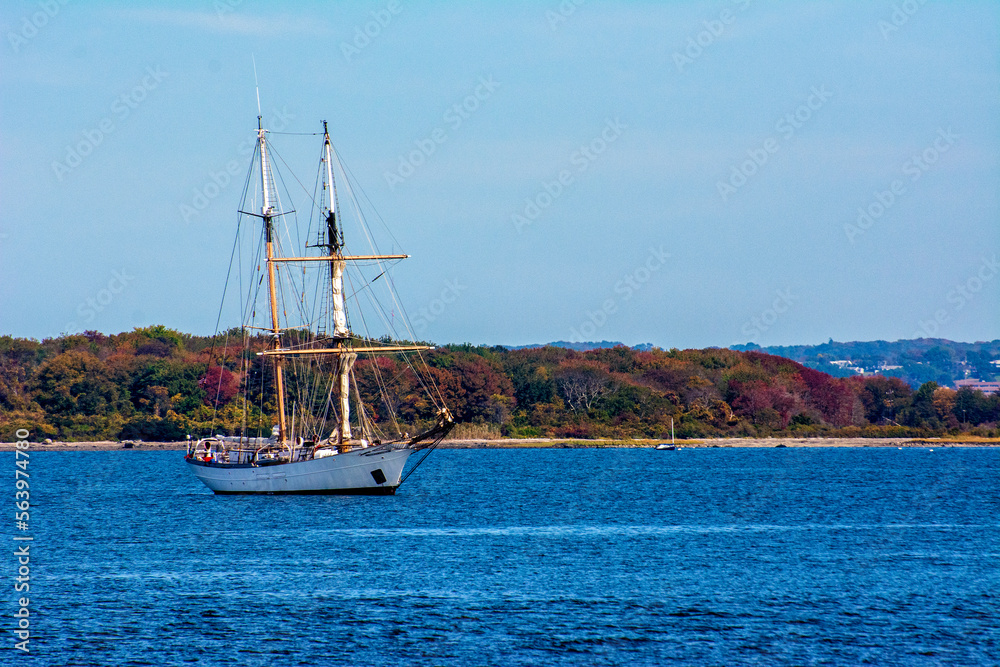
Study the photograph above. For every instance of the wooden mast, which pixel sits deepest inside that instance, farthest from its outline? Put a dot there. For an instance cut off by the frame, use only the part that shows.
(267, 210)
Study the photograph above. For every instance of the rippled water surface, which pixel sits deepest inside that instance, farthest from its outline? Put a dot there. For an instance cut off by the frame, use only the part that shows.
(527, 557)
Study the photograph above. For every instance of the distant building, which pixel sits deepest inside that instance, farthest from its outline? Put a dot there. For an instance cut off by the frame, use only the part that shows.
(847, 364)
(978, 385)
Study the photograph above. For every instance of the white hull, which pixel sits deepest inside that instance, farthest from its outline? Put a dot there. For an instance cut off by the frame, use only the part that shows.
(354, 472)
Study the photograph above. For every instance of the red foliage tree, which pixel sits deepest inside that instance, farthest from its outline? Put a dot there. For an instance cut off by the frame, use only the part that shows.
(833, 397)
(469, 386)
(220, 385)
(765, 404)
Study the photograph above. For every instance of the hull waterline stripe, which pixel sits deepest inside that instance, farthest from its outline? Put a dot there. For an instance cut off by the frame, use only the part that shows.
(365, 491)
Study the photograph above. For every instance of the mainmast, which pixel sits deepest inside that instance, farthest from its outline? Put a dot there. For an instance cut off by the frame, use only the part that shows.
(342, 347)
(267, 213)
(341, 334)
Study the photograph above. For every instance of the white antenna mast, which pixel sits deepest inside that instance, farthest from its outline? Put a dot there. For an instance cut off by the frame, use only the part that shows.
(256, 85)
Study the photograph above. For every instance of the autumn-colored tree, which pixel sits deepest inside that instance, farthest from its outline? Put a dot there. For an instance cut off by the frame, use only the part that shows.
(944, 405)
(153, 382)
(764, 404)
(833, 397)
(478, 380)
(220, 385)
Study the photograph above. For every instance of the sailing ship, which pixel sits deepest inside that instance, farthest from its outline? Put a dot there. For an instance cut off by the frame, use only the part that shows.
(332, 439)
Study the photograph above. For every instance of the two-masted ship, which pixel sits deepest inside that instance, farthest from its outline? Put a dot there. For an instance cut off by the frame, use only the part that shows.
(306, 426)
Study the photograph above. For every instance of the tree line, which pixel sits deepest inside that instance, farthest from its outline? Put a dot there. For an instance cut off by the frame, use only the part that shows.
(155, 383)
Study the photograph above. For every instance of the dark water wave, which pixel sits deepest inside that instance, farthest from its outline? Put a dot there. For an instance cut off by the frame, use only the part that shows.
(528, 557)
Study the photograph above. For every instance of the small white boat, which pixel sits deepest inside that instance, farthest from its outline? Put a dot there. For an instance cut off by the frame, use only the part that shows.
(672, 446)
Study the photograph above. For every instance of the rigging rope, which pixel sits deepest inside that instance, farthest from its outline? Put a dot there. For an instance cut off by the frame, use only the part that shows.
(427, 452)
(306, 376)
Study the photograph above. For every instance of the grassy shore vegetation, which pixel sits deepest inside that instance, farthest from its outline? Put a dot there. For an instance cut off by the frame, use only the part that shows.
(155, 383)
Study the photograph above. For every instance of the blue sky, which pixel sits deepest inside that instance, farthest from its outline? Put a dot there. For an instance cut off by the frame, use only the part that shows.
(686, 174)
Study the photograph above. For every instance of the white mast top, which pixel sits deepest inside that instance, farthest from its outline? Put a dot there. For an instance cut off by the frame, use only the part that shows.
(265, 171)
(337, 265)
(329, 171)
(256, 85)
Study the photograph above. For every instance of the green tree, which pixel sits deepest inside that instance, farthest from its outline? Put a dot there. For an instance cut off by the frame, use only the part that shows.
(921, 412)
(79, 383)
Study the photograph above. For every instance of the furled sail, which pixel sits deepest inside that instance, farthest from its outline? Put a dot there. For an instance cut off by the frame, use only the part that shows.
(345, 363)
(339, 312)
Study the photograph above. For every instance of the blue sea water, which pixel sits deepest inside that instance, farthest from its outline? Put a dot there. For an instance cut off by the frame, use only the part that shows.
(525, 557)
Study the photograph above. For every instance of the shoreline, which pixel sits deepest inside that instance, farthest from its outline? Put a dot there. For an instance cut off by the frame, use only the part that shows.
(565, 443)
